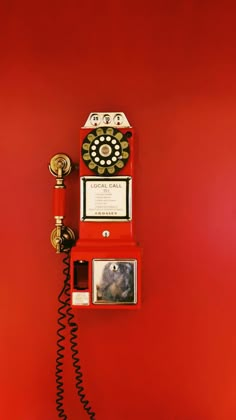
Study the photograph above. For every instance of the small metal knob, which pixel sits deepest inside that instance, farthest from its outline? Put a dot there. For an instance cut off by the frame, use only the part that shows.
(60, 165)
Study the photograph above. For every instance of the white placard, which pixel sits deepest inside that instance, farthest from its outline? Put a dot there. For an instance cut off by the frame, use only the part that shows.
(106, 198)
(80, 298)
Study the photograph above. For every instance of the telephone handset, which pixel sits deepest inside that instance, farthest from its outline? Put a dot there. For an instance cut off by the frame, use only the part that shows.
(105, 262)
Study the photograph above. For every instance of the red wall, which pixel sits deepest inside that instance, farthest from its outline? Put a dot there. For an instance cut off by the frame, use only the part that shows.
(170, 66)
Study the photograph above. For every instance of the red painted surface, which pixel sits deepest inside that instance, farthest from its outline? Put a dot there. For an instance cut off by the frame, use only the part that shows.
(122, 231)
(119, 245)
(170, 66)
(59, 199)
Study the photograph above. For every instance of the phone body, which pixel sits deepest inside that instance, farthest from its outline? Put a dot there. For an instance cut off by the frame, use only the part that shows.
(106, 260)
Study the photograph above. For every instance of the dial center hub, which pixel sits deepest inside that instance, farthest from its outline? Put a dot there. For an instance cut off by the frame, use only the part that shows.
(105, 150)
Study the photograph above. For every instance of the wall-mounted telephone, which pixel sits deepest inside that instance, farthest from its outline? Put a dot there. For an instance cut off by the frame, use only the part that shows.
(105, 260)
(103, 266)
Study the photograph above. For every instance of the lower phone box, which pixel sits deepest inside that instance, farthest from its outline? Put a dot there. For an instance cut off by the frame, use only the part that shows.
(114, 282)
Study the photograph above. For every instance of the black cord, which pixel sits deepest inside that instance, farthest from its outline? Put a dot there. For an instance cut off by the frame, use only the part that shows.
(65, 311)
(60, 346)
(76, 363)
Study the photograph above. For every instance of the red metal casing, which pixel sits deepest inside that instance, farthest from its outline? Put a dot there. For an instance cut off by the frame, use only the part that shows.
(93, 246)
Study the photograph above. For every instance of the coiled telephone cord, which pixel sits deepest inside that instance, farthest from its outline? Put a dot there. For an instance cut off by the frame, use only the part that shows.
(65, 312)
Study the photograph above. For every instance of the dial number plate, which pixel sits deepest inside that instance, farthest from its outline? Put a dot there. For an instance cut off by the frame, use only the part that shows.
(105, 151)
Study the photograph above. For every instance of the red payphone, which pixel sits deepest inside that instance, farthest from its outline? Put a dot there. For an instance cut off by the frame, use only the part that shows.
(103, 265)
(105, 262)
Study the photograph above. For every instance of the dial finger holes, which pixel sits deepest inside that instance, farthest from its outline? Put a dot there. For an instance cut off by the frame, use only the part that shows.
(103, 150)
(86, 146)
(111, 170)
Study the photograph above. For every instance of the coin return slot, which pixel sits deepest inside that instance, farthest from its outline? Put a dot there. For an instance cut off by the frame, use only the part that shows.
(80, 275)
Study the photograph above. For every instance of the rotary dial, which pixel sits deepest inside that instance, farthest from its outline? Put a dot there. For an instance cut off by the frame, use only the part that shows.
(105, 150)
